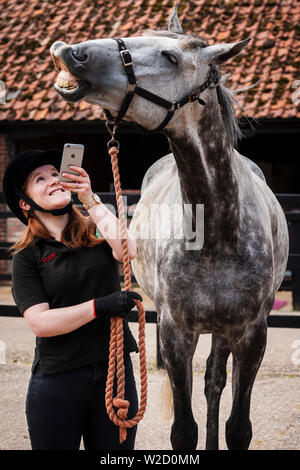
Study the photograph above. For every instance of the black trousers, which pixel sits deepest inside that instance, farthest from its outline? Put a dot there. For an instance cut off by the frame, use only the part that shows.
(65, 407)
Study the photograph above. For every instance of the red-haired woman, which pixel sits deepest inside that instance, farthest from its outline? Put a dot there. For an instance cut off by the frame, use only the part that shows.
(66, 284)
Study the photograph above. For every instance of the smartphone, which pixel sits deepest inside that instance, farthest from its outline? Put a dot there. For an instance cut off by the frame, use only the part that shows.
(72, 155)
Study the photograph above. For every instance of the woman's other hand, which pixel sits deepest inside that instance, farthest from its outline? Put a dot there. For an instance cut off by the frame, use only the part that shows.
(116, 304)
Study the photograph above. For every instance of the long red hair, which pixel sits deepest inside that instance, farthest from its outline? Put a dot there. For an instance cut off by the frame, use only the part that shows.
(79, 231)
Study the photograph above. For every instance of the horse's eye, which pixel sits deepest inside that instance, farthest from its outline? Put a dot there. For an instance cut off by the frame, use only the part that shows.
(171, 57)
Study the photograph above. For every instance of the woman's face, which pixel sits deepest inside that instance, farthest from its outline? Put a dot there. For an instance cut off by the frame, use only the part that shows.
(43, 187)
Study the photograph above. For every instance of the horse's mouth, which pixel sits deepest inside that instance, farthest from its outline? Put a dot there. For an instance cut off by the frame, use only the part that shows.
(70, 87)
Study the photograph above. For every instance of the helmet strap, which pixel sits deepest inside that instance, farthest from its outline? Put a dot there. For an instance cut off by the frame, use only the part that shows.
(34, 206)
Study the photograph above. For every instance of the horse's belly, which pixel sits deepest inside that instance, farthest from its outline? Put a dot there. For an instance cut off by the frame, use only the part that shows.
(210, 299)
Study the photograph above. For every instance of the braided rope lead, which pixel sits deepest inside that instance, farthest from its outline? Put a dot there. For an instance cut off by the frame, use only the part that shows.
(116, 362)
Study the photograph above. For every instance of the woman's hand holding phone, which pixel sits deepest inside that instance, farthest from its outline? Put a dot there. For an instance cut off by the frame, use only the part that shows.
(79, 184)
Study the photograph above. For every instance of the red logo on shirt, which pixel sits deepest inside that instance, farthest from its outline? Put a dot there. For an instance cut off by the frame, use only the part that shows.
(48, 258)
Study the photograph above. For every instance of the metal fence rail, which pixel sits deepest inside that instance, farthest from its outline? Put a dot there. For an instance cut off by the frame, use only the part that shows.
(274, 321)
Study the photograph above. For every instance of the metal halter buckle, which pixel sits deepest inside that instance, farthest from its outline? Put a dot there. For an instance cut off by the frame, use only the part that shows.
(131, 87)
(174, 107)
(193, 97)
(126, 54)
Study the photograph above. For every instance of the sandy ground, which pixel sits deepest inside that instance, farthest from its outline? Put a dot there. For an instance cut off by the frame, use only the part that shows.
(275, 411)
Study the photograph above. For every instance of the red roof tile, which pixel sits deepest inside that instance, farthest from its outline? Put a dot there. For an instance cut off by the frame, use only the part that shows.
(29, 27)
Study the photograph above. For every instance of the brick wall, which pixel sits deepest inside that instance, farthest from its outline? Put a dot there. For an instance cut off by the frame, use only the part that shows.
(10, 228)
(14, 229)
(4, 156)
(4, 160)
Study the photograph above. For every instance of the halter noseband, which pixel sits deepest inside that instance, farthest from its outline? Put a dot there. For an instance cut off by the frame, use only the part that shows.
(133, 88)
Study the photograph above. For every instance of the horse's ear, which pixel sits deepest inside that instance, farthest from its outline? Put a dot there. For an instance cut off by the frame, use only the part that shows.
(174, 23)
(220, 53)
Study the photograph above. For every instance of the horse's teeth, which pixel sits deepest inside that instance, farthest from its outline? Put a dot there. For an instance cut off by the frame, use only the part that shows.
(66, 80)
(66, 84)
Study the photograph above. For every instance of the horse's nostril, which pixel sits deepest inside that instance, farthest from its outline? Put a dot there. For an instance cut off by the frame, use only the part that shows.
(79, 55)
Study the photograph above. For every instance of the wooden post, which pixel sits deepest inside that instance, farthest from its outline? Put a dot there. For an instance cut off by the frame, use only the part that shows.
(296, 288)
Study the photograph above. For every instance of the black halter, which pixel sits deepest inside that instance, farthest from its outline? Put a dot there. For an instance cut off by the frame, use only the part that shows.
(133, 88)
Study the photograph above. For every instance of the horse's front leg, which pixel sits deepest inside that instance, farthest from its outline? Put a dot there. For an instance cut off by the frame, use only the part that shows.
(247, 352)
(177, 349)
(215, 381)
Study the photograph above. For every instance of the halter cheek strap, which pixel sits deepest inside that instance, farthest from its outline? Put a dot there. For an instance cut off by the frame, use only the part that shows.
(34, 206)
(132, 89)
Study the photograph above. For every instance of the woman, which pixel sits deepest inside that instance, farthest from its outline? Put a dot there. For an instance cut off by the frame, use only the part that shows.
(66, 284)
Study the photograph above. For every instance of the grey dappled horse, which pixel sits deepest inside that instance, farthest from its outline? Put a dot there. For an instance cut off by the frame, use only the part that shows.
(224, 283)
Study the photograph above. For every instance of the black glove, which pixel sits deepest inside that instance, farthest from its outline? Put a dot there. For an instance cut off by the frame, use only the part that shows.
(117, 304)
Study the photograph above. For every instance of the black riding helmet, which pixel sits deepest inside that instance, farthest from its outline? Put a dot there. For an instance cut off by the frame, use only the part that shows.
(16, 173)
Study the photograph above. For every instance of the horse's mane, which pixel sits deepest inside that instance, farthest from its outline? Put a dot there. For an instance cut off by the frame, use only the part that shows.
(226, 96)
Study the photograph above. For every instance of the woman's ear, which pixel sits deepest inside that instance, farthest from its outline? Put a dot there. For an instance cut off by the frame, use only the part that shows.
(24, 205)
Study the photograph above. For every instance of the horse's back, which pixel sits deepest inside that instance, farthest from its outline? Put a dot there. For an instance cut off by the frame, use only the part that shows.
(253, 167)
(161, 171)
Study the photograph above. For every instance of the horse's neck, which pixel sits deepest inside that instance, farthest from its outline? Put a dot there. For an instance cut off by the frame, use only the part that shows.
(205, 162)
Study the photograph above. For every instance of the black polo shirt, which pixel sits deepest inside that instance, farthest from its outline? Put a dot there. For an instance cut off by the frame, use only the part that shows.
(49, 271)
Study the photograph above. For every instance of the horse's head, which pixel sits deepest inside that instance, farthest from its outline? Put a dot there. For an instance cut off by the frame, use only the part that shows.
(168, 64)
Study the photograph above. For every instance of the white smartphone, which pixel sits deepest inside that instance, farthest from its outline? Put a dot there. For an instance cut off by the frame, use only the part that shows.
(72, 155)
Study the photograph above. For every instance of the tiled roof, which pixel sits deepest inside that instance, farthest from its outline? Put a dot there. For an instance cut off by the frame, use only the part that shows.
(29, 27)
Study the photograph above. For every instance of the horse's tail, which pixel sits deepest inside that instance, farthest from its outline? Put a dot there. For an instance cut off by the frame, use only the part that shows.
(167, 399)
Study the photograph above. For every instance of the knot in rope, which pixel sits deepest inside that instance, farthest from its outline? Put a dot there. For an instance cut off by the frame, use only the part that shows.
(122, 406)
